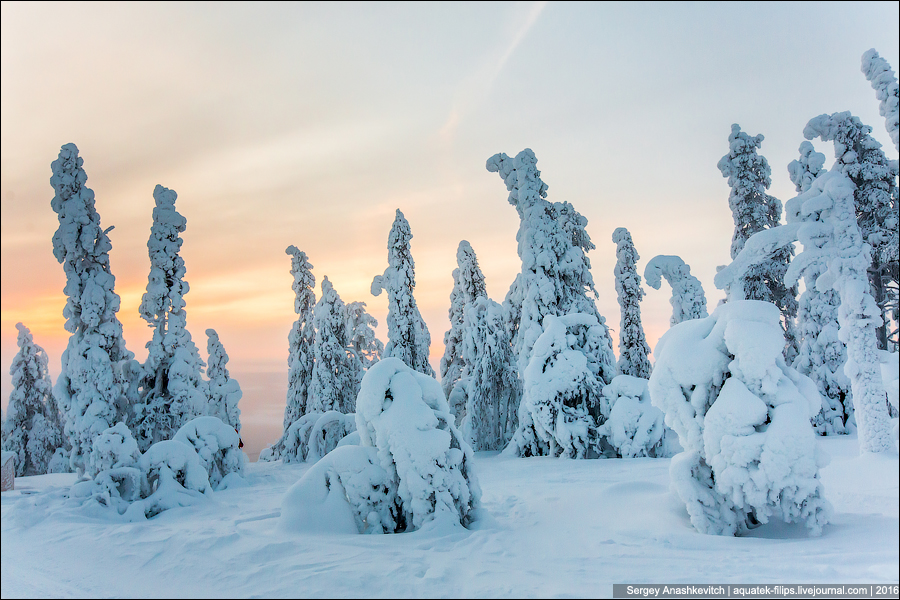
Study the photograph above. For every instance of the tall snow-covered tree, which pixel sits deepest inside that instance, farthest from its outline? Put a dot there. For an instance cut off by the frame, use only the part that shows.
(32, 429)
(224, 392)
(336, 371)
(859, 156)
(633, 348)
(754, 210)
(879, 73)
(688, 299)
(173, 392)
(492, 386)
(301, 342)
(361, 334)
(408, 337)
(555, 278)
(94, 387)
(822, 354)
(468, 286)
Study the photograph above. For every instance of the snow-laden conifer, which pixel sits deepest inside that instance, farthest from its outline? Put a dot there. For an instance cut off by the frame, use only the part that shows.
(301, 341)
(827, 226)
(633, 348)
(172, 389)
(94, 387)
(411, 470)
(823, 219)
(859, 156)
(361, 334)
(32, 428)
(879, 73)
(492, 385)
(754, 210)
(822, 355)
(688, 299)
(336, 371)
(224, 392)
(468, 286)
(555, 278)
(743, 419)
(408, 337)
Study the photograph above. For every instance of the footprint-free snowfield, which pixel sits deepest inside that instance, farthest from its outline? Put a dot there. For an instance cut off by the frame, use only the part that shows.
(553, 528)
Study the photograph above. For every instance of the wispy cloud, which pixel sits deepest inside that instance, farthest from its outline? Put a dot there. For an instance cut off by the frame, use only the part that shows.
(474, 90)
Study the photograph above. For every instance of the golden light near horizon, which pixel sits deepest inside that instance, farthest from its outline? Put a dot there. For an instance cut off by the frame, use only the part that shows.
(310, 124)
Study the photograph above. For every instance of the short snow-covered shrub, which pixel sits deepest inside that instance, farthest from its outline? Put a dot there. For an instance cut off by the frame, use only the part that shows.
(217, 444)
(743, 418)
(328, 430)
(114, 448)
(633, 427)
(412, 468)
(173, 476)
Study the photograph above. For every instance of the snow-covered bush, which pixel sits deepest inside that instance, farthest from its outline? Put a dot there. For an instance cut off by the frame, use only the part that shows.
(32, 428)
(633, 348)
(411, 470)
(173, 476)
(688, 299)
(94, 389)
(743, 418)
(633, 427)
(224, 392)
(561, 399)
(408, 337)
(217, 444)
(115, 448)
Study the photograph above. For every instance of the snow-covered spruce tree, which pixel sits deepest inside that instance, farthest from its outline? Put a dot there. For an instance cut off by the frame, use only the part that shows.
(361, 334)
(468, 286)
(493, 389)
(859, 156)
(822, 355)
(823, 219)
(827, 225)
(336, 371)
(688, 299)
(300, 348)
(754, 210)
(94, 387)
(879, 73)
(555, 278)
(31, 429)
(743, 418)
(633, 348)
(172, 389)
(411, 470)
(224, 392)
(408, 337)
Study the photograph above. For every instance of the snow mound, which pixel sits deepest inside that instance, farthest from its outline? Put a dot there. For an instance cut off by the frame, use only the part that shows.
(411, 470)
(743, 418)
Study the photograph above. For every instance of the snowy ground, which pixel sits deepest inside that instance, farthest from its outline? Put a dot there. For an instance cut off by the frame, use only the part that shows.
(557, 528)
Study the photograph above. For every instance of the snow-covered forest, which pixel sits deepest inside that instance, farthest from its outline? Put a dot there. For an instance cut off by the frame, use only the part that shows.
(550, 447)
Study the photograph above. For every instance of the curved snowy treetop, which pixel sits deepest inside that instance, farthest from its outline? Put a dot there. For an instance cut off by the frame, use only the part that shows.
(521, 176)
(878, 72)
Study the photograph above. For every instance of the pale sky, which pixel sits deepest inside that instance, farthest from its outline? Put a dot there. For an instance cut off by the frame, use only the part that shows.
(309, 124)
